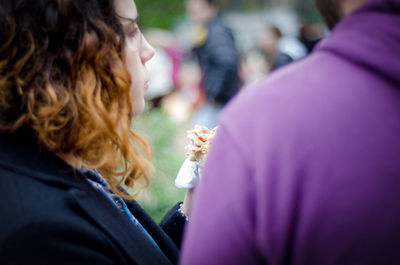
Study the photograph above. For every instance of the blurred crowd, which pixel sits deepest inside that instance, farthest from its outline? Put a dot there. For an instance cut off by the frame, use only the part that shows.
(202, 63)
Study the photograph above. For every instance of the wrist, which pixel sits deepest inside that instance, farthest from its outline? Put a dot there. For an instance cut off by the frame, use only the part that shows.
(181, 210)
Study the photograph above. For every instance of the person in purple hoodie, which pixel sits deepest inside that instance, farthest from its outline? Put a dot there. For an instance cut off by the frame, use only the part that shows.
(305, 168)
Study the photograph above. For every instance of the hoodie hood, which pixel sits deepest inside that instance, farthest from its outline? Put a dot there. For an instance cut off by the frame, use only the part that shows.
(370, 38)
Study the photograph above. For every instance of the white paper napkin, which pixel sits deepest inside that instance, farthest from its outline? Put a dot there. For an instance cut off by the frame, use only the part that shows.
(188, 175)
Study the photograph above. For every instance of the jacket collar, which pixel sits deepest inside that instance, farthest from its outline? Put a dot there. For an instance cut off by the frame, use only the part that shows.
(23, 157)
(134, 243)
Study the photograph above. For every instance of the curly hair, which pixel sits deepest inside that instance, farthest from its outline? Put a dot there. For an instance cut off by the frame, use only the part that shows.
(63, 76)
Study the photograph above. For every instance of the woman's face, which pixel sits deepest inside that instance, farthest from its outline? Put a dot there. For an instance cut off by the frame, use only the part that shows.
(138, 52)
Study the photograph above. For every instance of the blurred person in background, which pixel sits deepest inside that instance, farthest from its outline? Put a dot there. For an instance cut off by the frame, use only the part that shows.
(253, 66)
(315, 180)
(267, 42)
(215, 49)
(164, 67)
(72, 77)
(310, 35)
(292, 46)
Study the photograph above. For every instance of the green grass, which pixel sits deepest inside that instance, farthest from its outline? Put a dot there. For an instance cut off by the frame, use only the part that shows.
(167, 156)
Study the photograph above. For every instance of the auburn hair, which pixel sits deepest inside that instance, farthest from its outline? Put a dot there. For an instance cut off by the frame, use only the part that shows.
(63, 76)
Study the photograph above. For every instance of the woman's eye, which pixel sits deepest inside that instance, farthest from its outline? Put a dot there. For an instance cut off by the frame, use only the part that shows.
(133, 32)
(136, 30)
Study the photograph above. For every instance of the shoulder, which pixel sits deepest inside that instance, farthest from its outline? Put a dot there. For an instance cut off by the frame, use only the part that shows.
(32, 198)
(282, 59)
(45, 221)
(291, 87)
(35, 214)
(290, 103)
(310, 107)
(29, 201)
(284, 89)
(218, 26)
(71, 242)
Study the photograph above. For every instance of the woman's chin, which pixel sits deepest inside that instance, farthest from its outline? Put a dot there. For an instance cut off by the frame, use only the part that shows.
(139, 107)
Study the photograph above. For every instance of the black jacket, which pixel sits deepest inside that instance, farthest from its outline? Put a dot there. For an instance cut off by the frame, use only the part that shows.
(281, 59)
(50, 214)
(219, 59)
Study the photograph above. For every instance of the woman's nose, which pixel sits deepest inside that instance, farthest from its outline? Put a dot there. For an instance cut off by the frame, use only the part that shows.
(147, 51)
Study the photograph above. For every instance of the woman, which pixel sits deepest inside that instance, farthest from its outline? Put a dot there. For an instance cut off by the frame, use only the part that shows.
(72, 76)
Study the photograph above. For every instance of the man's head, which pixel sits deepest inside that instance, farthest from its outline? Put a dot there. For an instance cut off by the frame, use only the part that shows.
(202, 10)
(268, 39)
(332, 11)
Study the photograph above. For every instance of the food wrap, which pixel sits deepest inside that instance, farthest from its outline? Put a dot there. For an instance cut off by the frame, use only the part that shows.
(190, 172)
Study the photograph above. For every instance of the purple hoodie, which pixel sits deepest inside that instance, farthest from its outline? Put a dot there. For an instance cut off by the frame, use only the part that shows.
(305, 168)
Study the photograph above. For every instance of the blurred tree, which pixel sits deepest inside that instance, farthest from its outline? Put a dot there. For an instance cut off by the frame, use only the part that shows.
(165, 13)
(307, 10)
(304, 8)
(159, 13)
